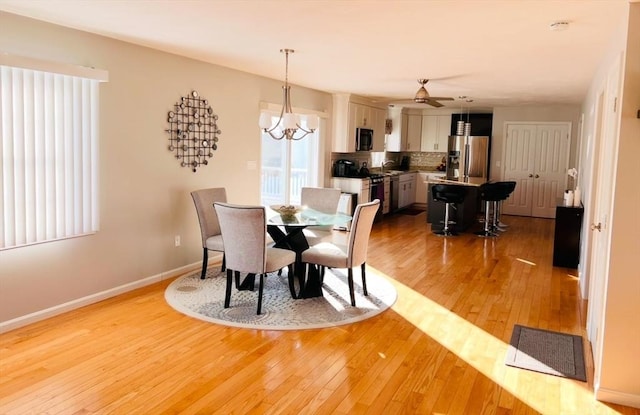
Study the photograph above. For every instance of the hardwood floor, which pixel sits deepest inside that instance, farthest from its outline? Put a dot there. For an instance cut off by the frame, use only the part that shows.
(439, 350)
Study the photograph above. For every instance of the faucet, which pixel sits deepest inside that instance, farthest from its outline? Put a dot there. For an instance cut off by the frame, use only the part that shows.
(386, 163)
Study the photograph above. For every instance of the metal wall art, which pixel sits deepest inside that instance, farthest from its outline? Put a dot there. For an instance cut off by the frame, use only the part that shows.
(193, 131)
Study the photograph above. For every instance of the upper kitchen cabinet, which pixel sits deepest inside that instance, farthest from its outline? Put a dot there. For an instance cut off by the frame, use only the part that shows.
(397, 139)
(414, 132)
(481, 123)
(379, 117)
(351, 112)
(435, 132)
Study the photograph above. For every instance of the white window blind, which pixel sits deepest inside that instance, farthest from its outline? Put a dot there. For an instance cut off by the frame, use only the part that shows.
(49, 152)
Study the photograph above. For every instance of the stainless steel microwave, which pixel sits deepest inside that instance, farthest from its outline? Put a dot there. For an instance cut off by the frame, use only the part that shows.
(364, 139)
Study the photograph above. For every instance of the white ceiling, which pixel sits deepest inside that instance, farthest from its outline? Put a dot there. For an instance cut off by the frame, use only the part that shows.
(497, 52)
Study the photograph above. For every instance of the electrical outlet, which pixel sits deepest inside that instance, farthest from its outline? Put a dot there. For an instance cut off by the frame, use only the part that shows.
(177, 240)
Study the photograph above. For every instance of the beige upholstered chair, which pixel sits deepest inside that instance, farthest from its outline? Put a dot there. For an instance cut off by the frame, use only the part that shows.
(244, 234)
(354, 253)
(323, 200)
(209, 227)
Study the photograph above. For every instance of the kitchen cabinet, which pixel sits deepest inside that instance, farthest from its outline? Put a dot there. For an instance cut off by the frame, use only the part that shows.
(423, 179)
(421, 188)
(361, 187)
(414, 132)
(397, 139)
(386, 204)
(407, 190)
(435, 132)
(349, 115)
(378, 118)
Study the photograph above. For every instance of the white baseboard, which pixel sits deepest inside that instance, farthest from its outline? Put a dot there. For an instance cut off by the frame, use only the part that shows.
(621, 398)
(22, 321)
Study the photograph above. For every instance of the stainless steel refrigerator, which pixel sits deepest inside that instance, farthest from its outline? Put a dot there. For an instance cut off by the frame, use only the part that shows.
(467, 156)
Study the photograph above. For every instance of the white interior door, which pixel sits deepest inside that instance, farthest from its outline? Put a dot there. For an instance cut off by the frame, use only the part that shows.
(551, 164)
(519, 161)
(598, 268)
(536, 157)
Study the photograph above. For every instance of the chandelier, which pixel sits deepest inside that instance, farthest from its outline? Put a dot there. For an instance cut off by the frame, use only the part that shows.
(288, 124)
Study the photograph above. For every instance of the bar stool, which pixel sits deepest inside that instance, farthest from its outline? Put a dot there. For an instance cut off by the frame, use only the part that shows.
(509, 187)
(450, 194)
(490, 193)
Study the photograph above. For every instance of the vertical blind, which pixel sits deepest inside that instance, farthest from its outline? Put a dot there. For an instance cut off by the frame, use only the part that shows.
(49, 153)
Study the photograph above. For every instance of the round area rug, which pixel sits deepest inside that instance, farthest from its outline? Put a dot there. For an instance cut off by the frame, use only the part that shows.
(204, 300)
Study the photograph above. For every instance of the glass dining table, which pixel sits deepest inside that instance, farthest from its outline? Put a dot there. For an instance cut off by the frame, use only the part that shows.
(286, 230)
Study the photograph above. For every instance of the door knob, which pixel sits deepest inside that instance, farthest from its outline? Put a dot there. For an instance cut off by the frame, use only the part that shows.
(597, 227)
(530, 175)
(536, 176)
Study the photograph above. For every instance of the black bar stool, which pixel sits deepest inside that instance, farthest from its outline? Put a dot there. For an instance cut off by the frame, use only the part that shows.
(509, 187)
(490, 193)
(450, 194)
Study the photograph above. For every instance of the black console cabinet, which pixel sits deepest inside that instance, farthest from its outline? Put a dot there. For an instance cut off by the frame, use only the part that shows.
(566, 239)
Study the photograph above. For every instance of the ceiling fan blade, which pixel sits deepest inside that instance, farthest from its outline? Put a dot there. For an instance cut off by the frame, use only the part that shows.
(433, 103)
(442, 98)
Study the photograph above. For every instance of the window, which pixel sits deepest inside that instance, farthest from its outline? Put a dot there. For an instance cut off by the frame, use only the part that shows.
(49, 152)
(287, 167)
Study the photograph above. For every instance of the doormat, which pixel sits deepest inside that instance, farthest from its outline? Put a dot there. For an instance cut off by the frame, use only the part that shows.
(411, 211)
(547, 352)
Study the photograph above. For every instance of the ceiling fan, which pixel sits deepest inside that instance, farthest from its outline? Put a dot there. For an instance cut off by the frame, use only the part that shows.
(423, 97)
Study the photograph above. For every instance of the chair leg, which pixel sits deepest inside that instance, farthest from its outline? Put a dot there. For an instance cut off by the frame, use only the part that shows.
(351, 291)
(227, 294)
(224, 263)
(205, 260)
(364, 279)
(260, 294)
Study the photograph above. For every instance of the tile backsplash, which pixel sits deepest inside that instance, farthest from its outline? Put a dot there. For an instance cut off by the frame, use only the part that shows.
(417, 160)
(425, 159)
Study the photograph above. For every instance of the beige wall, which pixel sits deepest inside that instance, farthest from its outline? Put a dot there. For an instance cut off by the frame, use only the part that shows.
(144, 197)
(554, 113)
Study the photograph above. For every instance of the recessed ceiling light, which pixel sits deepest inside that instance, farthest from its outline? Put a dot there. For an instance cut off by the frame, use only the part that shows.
(559, 25)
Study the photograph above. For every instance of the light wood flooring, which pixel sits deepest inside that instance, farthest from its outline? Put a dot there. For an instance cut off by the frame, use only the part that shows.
(439, 350)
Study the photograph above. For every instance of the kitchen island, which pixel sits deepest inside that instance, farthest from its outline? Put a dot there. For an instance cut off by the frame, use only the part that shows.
(465, 214)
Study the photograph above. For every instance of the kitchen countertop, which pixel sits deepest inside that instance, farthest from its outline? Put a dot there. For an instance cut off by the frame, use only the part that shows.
(472, 181)
(397, 172)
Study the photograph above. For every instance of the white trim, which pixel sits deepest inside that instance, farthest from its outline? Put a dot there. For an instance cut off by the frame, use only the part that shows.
(621, 398)
(34, 317)
(24, 62)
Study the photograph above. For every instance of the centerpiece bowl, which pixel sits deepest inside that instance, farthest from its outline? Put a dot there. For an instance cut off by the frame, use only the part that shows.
(287, 211)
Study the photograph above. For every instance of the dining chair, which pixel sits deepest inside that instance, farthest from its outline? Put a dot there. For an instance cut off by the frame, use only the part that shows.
(244, 234)
(354, 253)
(209, 226)
(324, 200)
